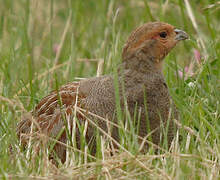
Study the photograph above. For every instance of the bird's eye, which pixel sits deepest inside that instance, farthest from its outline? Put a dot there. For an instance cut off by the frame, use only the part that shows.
(163, 34)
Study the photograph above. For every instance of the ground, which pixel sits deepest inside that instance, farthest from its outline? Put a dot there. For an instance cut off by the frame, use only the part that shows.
(45, 44)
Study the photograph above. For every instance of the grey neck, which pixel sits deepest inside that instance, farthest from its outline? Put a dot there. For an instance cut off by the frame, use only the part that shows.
(141, 63)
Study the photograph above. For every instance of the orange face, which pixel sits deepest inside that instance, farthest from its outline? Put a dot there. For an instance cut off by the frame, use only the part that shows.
(156, 39)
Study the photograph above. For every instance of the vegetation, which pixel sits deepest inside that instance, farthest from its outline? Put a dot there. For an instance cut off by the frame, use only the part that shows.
(48, 43)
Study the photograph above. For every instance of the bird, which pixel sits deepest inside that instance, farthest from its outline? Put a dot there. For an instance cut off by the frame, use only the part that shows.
(138, 83)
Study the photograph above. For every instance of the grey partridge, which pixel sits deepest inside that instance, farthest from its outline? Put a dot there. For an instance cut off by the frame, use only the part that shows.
(141, 90)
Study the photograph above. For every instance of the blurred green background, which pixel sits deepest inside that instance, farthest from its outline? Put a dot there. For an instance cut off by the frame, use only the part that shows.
(46, 40)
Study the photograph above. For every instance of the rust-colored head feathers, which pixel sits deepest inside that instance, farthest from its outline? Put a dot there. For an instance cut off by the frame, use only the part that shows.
(154, 39)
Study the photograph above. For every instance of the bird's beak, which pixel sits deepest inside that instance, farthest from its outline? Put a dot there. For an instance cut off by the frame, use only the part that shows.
(180, 35)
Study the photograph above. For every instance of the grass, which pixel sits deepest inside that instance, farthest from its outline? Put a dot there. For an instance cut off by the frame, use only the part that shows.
(48, 43)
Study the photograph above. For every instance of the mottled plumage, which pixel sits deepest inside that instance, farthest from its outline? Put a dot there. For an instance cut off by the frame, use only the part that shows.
(141, 84)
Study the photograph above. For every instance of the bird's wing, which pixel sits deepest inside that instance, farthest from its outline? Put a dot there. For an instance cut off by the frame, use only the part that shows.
(52, 116)
(46, 114)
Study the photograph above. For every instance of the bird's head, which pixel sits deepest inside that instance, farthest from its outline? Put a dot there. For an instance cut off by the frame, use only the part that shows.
(152, 42)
